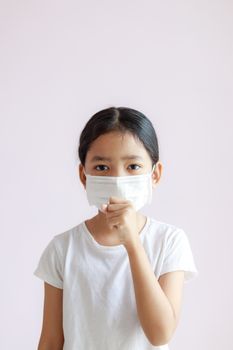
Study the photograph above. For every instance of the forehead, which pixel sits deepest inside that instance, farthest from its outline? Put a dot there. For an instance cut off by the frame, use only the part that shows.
(117, 145)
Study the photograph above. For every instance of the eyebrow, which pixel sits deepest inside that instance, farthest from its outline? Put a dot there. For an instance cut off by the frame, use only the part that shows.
(97, 158)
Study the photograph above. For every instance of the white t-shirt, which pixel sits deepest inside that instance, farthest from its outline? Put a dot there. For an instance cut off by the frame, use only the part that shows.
(99, 305)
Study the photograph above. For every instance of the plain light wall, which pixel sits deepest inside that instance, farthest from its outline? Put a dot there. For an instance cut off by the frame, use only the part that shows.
(62, 61)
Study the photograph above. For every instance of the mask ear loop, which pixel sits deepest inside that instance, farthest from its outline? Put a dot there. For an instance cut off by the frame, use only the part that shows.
(153, 168)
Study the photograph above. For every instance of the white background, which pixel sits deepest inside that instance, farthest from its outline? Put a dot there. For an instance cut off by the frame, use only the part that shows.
(62, 61)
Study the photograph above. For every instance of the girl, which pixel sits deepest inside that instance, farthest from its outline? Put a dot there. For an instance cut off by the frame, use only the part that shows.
(114, 281)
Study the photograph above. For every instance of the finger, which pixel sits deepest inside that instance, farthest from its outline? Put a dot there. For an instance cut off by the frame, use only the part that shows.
(115, 214)
(116, 221)
(117, 200)
(114, 207)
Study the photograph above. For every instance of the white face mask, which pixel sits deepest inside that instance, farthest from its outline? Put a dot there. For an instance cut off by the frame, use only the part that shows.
(136, 188)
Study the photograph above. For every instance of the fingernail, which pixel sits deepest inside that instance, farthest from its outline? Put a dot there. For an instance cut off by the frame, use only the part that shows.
(103, 207)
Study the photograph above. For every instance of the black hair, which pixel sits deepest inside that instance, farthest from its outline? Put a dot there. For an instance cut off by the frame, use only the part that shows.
(121, 119)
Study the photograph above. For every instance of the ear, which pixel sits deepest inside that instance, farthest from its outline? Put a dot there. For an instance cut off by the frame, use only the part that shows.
(82, 175)
(157, 173)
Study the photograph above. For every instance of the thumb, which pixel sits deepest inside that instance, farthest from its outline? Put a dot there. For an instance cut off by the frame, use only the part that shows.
(103, 208)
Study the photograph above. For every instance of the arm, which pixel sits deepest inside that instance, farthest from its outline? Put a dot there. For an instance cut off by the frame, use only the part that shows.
(52, 331)
(158, 302)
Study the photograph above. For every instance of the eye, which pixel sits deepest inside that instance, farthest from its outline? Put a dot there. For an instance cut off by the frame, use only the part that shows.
(135, 165)
(100, 166)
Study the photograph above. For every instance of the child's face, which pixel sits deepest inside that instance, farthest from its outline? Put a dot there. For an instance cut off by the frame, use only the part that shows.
(117, 154)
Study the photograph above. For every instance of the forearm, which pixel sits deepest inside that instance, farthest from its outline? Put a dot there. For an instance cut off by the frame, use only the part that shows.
(153, 307)
(45, 344)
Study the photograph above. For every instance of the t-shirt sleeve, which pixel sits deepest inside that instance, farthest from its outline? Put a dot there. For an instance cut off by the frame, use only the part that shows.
(49, 267)
(178, 255)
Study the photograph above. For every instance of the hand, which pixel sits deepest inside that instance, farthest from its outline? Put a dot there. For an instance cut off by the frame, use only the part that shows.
(122, 218)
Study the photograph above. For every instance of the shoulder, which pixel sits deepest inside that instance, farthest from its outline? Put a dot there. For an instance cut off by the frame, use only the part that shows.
(171, 245)
(164, 231)
(64, 239)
